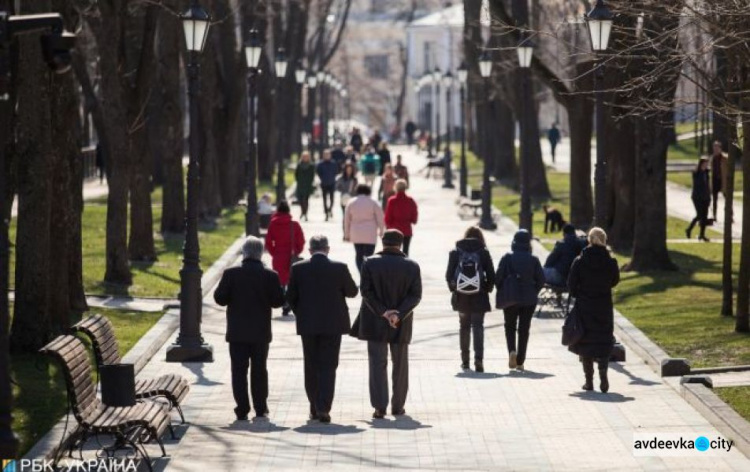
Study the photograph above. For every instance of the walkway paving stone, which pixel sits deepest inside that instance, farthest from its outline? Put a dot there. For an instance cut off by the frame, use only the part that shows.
(537, 420)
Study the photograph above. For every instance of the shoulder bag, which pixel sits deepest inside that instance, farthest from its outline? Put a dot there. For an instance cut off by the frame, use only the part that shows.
(510, 292)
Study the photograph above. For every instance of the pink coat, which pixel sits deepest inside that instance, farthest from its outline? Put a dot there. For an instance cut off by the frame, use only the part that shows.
(363, 221)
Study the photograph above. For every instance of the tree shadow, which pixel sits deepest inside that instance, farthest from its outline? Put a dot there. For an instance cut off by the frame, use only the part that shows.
(470, 374)
(593, 396)
(634, 379)
(330, 429)
(402, 422)
(529, 374)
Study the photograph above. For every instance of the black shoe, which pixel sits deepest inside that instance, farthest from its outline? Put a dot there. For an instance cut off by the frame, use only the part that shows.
(324, 418)
(588, 386)
(479, 366)
(400, 412)
(240, 416)
(687, 232)
(704, 239)
(465, 366)
(378, 414)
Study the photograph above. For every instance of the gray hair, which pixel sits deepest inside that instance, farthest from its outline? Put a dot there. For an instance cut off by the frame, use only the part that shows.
(252, 248)
(318, 243)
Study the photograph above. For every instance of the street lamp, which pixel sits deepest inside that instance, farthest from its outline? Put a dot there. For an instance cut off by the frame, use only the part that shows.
(189, 346)
(436, 76)
(56, 46)
(486, 222)
(300, 77)
(253, 50)
(525, 52)
(280, 64)
(463, 76)
(599, 21)
(312, 83)
(448, 157)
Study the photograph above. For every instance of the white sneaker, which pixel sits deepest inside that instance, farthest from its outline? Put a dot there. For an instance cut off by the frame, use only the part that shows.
(519, 367)
(512, 360)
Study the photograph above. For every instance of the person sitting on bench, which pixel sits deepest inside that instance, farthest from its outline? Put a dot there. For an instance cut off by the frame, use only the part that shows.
(558, 263)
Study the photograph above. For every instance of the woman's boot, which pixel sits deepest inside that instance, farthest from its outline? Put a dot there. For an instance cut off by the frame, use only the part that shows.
(588, 371)
(604, 381)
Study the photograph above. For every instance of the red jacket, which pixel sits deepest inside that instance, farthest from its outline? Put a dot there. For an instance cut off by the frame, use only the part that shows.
(279, 243)
(401, 213)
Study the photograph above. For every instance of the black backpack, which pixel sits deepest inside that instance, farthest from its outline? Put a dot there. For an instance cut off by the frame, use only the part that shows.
(469, 274)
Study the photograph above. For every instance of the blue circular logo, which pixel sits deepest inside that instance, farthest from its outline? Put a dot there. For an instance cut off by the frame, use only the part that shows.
(702, 443)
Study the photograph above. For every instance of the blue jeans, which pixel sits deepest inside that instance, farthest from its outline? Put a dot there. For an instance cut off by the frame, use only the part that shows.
(553, 277)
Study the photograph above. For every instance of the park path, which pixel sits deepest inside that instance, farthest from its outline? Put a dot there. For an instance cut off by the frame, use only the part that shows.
(537, 420)
(679, 204)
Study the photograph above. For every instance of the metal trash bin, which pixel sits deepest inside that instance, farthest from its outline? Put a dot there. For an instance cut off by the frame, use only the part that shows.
(118, 384)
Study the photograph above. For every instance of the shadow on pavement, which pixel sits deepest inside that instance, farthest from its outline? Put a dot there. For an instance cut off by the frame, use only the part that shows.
(602, 397)
(331, 429)
(529, 374)
(404, 422)
(257, 425)
(197, 369)
(470, 374)
(634, 379)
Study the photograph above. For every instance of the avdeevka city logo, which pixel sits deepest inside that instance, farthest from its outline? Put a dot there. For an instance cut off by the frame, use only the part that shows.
(702, 443)
(8, 465)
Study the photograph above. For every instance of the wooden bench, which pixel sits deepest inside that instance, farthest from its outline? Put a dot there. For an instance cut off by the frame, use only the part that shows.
(172, 387)
(474, 203)
(556, 298)
(130, 426)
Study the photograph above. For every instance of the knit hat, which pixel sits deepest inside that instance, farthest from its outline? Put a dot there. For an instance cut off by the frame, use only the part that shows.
(521, 241)
(393, 238)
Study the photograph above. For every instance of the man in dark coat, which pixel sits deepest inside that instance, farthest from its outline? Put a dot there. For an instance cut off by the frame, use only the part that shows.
(250, 292)
(557, 265)
(593, 275)
(391, 288)
(318, 288)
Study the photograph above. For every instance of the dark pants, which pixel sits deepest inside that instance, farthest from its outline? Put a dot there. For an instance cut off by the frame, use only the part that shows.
(361, 251)
(328, 191)
(321, 360)
(377, 353)
(471, 323)
(304, 203)
(715, 191)
(242, 356)
(553, 146)
(518, 318)
(407, 243)
(701, 215)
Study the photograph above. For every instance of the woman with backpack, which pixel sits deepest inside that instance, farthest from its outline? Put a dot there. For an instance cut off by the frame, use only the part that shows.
(471, 276)
(518, 279)
(369, 165)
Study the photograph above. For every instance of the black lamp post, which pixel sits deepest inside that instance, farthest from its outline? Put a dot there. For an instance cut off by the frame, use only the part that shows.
(486, 222)
(436, 76)
(463, 75)
(321, 75)
(599, 21)
(448, 169)
(312, 82)
(300, 76)
(280, 65)
(253, 50)
(525, 53)
(190, 346)
(56, 46)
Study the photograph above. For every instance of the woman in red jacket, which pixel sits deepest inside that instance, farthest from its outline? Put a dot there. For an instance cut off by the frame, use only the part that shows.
(281, 232)
(401, 213)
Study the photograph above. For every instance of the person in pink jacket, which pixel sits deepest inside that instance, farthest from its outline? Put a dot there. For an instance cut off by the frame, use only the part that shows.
(363, 224)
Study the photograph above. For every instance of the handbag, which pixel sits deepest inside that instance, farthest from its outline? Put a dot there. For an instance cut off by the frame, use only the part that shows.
(572, 329)
(510, 293)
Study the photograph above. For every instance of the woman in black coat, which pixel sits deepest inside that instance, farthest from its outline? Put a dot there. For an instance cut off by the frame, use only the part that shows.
(471, 307)
(590, 282)
(520, 263)
(701, 197)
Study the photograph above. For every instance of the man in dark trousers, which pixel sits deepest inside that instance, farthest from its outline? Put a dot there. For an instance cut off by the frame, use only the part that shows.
(391, 289)
(317, 292)
(250, 292)
(327, 171)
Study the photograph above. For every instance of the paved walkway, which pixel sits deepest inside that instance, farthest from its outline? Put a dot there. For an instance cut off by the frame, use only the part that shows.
(679, 204)
(537, 420)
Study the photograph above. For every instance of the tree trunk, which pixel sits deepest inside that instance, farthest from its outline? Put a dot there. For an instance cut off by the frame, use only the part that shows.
(620, 150)
(742, 324)
(727, 283)
(32, 326)
(580, 111)
(501, 143)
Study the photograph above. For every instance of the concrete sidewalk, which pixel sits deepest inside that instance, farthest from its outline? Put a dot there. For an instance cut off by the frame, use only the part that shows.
(537, 420)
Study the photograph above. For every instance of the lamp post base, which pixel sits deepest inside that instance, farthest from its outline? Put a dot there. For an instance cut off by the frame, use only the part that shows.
(449, 185)
(487, 223)
(190, 353)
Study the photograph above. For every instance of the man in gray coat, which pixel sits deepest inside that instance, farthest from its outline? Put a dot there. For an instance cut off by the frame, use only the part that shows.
(391, 289)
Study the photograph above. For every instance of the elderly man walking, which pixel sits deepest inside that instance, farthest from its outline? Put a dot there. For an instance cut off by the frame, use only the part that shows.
(317, 292)
(391, 289)
(250, 292)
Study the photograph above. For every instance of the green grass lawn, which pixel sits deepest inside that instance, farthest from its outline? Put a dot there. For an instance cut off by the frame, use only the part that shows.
(39, 391)
(683, 151)
(738, 398)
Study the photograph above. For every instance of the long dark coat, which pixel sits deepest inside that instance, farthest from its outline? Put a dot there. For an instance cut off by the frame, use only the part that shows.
(590, 282)
(471, 303)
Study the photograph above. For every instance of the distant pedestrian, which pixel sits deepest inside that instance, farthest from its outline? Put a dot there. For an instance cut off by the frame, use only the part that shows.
(410, 129)
(391, 289)
(305, 176)
(284, 242)
(557, 265)
(363, 223)
(249, 292)
(356, 140)
(327, 172)
(369, 166)
(719, 174)
(99, 161)
(701, 196)
(402, 172)
(553, 135)
(471, 278)
(375, 139)
(401, 213)
(346, 185)
(385, 156)
(593, 275)
(338, 155)
(318, 289)
(526, 269)
(387, 185)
